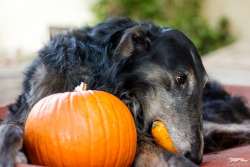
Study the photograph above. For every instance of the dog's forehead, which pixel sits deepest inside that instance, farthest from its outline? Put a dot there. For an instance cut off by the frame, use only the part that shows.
(175, 50)
(172, 49)
(175, 34)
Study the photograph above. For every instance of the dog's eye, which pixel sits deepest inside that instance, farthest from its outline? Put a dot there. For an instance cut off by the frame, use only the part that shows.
(181, 79)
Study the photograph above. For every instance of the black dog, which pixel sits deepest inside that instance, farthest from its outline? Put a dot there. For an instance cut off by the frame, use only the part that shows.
(157, 72)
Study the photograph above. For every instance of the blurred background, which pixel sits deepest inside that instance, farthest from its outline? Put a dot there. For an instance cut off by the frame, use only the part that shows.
(220, 29)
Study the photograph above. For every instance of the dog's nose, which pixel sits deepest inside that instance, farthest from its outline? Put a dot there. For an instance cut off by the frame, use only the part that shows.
(193, 158)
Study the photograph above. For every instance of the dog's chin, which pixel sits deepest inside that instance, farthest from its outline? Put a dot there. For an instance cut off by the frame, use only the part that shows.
(187, 152)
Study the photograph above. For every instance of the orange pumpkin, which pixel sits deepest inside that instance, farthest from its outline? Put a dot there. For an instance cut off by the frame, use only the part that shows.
(87, 128)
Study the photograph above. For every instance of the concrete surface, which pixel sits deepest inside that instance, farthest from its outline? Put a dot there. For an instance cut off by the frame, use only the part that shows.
(231, 64)
(11, 78)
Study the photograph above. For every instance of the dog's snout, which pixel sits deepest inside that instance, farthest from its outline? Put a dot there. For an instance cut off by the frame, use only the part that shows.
(194, 158)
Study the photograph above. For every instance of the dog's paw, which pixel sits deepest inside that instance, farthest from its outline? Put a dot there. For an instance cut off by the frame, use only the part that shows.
(11, 159)
(149, 159)
(21, 158)
(179, 161)
(11, 142)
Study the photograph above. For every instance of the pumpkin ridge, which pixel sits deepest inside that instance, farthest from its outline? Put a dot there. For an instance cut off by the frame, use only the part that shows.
(101, 113)
(119, 152)
(133, 137)
(37, 150)
(44, 105)
(73, 108)
(86, 116)
(88, 125)
(82, 114)
(124, 114)
(58, 101)
(129, 135)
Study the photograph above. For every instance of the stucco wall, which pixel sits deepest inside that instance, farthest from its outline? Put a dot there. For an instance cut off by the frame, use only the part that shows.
(237, 11)
(24, 24)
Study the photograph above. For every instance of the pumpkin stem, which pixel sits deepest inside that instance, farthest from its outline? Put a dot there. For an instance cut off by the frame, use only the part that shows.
(80, 88)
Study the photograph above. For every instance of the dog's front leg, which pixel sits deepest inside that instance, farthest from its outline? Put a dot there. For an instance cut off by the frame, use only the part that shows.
(11, 142)
(150, 155)
(219, 136)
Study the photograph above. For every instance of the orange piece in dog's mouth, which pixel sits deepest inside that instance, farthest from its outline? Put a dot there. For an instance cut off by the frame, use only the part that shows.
(161, 136)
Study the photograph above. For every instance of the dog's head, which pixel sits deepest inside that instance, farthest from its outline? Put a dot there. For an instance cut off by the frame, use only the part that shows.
(161, 77)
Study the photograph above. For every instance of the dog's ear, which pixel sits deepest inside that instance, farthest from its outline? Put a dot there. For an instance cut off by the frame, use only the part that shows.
(130, 100)
(134, 38)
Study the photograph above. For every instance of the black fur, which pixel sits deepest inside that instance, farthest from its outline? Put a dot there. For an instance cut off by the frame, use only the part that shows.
(221, 107)
(140, 63)
(226, 119)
